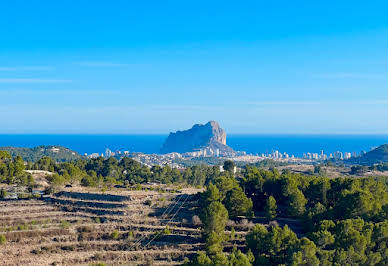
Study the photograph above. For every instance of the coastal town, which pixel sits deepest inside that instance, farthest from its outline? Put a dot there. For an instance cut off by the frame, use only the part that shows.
(176, 160)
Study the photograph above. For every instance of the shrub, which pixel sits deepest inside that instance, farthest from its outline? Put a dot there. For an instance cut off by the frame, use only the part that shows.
(148, 202)
(165, 231)
(130, 235)
(3, 193)
(65, 224)
(50, 190)
(115, 235)
(232, 234)
(98, 264)
(2, 239)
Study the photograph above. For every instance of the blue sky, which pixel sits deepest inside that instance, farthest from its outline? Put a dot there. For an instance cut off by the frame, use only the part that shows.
(158, 66)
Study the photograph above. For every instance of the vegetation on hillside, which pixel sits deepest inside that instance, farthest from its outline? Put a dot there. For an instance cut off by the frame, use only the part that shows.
(12, 171)
(57, 153)
(376, 156)
(342, 221)
(345, 220)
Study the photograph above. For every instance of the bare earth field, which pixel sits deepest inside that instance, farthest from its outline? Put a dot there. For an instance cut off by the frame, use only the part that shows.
(75, 227)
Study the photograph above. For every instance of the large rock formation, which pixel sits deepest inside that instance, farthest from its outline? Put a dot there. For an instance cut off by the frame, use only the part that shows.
(209, 136)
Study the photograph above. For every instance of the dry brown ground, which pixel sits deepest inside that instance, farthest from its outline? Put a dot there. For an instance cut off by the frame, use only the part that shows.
(63, 230)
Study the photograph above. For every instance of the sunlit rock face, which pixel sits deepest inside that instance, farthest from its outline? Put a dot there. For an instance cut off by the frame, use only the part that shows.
(209, 135)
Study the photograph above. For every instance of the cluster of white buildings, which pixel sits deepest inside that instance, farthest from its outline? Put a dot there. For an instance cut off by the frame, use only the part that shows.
(277, 155)
(208, 152)
(108, 153)
(338, 155)
(169, 159)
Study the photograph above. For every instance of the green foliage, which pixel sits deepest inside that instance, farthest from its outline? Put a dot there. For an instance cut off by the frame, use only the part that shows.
(296, 203)
(3, 239)
(378, 155)
(12, 171)
(214, 243)
(98, 264)
(306, 254)
(65, 224)
(214, 218)
(237, 258)
(237, 203)
(358, 170)
(201, 259)
(45, 163)
(225, 184)
(317, 198)
(3, 193)
(352, 241)
(211, 194)
(100, 172)
(34, 154)
(89, 181)
(229, 166)
(115, 235)
(56, 180)
(278, 245)
(270, 208)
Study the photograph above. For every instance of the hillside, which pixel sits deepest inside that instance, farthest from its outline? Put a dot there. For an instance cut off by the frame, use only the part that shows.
(378, 155)
(58, 153)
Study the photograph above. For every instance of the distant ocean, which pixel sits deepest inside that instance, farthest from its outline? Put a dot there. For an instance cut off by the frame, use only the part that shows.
(253, 144)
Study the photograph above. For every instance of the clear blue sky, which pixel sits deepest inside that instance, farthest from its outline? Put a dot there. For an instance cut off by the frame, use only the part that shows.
(158, 66)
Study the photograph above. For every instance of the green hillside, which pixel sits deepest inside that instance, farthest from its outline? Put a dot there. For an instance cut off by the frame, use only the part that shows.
(58, 153)
(378, 155)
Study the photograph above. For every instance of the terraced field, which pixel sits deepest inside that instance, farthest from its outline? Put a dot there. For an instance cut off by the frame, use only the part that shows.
(115, 228)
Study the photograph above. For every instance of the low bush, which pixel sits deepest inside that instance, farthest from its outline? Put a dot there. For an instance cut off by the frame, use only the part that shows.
(115, 235)
(3, 239)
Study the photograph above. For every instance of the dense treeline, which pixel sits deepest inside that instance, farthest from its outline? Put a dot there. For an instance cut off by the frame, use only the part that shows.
(12, 170)
(344, 220)
(316, 198)
(100, 171)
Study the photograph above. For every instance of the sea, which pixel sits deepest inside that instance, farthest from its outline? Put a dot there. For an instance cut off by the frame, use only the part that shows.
(252, 144)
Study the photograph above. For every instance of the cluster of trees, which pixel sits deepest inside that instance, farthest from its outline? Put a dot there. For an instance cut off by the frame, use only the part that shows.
(223, 199)
(379, 167)
(58, 153)
(315, 198)
(345, 242)
(100, 171)
(12, 170)
(361, 169)
(344, 221)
